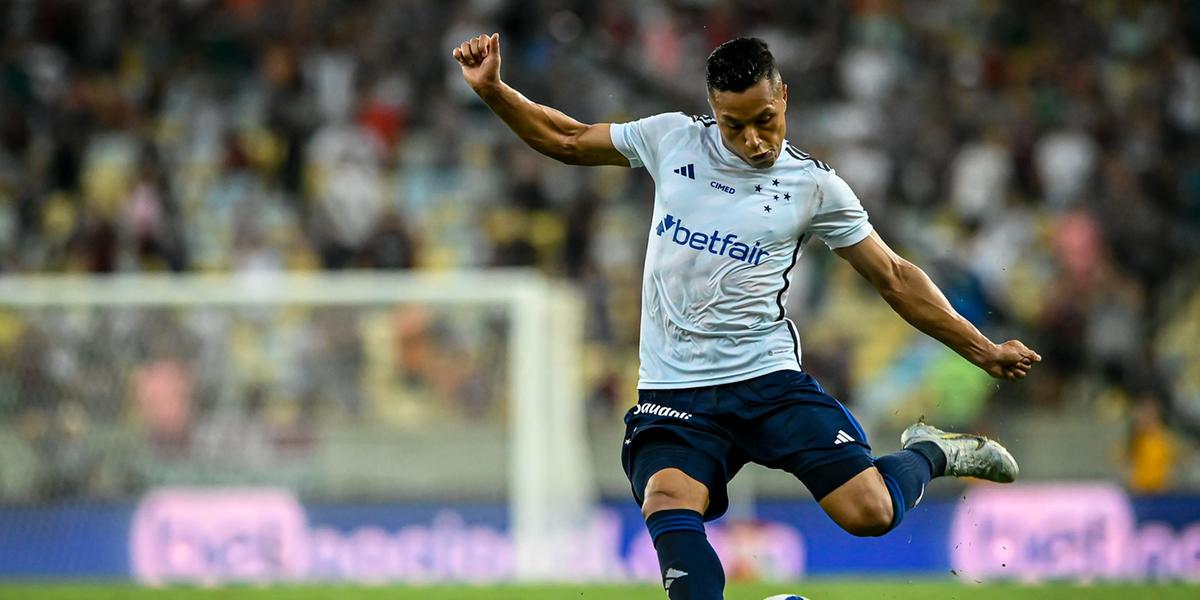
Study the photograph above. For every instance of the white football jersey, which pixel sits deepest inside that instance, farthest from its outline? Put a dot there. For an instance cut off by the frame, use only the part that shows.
(722, 244)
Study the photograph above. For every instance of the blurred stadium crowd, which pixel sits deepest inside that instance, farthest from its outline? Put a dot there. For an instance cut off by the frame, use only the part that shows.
(1040, 159)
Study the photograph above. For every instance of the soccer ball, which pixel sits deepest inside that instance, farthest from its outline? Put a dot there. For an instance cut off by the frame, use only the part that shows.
(786, 597)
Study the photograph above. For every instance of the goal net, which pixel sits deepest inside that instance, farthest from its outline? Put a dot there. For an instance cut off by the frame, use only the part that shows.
(351, 388)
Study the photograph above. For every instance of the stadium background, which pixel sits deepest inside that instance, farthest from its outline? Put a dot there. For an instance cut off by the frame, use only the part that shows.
(1040, 159)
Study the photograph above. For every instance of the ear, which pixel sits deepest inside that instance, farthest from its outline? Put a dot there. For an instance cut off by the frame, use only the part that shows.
(785, 92)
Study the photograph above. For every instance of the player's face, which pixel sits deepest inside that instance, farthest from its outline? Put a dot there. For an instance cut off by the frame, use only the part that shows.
(752, 121)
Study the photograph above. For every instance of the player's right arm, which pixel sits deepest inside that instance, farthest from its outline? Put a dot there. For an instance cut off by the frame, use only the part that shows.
(842, 223)
(545, 129)
(914, 296)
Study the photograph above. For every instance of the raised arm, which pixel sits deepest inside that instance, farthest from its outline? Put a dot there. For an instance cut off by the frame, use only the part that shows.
(914, 297)
(545, 129)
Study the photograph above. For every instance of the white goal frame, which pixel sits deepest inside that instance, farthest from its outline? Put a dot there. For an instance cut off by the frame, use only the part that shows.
(551, 495)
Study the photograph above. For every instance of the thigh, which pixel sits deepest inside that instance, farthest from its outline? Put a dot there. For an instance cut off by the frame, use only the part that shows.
(669, 430)
(863, 505)
(792, 424)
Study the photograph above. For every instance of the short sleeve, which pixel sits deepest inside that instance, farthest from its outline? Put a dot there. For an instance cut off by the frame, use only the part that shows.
(840, 220)
(639, 141)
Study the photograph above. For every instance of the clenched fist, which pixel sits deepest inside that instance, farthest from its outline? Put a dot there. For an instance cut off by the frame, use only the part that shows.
(1011, 360)
(479, 58)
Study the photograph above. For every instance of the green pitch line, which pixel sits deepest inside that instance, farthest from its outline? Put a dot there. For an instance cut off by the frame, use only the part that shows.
(816, 590)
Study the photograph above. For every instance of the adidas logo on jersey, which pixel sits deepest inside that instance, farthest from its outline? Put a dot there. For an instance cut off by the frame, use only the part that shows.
(713, 243)
(688, 170)
(842, 438)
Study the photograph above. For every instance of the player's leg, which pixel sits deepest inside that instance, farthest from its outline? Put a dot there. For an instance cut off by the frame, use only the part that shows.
(672, 489)
(874, 501)
(866, 496)
(862, 506)
(674, 504)
(673, 508)
(678, 466)
(792, 424)
(899, 479)
(906, 473)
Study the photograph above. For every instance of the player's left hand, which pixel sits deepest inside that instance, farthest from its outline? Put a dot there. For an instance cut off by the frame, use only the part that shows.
(1011, 360)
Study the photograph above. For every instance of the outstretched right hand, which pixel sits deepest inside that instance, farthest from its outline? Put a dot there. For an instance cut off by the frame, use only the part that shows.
(1011, 360)
(480, 60)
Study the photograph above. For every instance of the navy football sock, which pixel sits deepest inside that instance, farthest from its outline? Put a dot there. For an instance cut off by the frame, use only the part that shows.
(935, 456)
(690, 568)
(906, 473)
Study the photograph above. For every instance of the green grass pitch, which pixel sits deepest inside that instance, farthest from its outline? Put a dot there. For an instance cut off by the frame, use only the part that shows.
(814, 589)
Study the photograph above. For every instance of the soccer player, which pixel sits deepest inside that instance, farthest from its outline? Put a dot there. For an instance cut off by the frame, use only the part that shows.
(720, 382)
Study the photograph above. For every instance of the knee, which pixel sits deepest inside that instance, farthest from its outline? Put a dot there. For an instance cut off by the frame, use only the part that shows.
(871, 516)
(671, 489)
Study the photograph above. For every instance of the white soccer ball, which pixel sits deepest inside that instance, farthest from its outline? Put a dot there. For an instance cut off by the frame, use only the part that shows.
(786, 597)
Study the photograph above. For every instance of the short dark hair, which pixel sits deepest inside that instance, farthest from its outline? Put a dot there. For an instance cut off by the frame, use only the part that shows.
(738, 64)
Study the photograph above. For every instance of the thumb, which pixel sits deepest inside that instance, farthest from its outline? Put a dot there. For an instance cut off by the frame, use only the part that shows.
(494, 43)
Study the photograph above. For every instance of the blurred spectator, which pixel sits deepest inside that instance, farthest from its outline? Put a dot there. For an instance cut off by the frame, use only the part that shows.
(163, 394)
(345, 176)
(1151, 451)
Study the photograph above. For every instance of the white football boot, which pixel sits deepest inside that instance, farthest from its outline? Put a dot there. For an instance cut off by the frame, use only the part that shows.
(967, 455)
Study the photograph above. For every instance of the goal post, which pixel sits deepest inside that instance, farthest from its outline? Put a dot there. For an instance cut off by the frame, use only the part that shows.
(551, 491)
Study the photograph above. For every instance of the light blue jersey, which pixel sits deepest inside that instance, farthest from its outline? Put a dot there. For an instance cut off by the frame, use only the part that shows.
(722, 245)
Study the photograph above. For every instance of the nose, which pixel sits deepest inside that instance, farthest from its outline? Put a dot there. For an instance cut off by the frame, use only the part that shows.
(753, 141)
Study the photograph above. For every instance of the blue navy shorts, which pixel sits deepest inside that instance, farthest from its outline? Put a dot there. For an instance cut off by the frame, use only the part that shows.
(782, 420)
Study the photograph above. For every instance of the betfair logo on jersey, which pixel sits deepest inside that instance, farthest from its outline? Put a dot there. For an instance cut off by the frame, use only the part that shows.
(713, 243)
